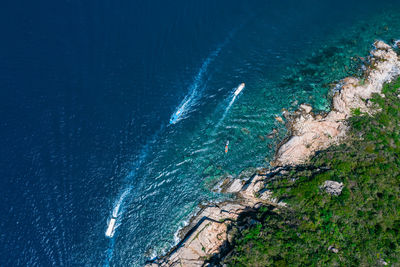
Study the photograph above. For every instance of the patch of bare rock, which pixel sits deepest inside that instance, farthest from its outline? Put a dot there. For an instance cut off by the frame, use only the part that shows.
(207, 232)
(310, 133)
(332, 187)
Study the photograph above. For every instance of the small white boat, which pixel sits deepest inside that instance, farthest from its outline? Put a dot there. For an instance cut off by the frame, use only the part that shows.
(239, 89)
(110, 229)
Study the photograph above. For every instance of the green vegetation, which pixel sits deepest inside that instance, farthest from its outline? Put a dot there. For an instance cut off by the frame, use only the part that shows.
(361, 227)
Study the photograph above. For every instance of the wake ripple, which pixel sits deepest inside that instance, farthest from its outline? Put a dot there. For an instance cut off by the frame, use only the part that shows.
(195, 91)
(235, 95)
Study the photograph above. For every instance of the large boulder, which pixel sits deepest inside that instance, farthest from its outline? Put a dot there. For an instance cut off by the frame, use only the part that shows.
(332, 187)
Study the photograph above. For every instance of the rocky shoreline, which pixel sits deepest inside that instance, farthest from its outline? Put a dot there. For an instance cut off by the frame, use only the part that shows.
(207, 233)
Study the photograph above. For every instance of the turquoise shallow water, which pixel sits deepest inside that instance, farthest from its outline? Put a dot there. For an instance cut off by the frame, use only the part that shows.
(187, 159)
(91, 89)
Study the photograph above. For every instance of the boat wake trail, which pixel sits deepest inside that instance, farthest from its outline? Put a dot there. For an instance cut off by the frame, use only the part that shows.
(109, 253)
(189, 101)
(195, 89)
(112, 224)
(226, 112)
(235, 95)
(118, 207)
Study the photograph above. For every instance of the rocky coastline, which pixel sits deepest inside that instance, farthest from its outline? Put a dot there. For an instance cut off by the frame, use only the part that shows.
(208, 232)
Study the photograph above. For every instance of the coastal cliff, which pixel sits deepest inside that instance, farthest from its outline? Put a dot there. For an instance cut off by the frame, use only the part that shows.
(210, 231)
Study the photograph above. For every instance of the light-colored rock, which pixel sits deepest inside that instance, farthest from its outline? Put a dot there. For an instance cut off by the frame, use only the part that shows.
(267, 196)
(333, 249)
(208, 237)
(252, 188)
(235, 186)
(211, 223)
(332, 187)
(312, 133)
(307, 108)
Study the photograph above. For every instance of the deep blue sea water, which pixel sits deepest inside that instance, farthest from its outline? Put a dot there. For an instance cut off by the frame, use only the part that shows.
(87, 90)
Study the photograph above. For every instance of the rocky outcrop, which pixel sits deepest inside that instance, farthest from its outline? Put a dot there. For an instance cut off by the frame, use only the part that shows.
(332, 187)
(310, 133)
(207, 233)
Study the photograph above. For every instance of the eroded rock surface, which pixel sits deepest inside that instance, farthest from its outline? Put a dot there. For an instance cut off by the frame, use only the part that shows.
(209, 227)
(312, 133)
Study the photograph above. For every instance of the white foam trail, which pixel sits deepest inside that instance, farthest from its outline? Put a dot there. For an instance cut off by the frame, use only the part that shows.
(113, 222)
(199, 150)
(236, 93)
(194, 91)
(225, 112)
(119, 202)
(109, 254)
(117, 211)
(186, 104)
